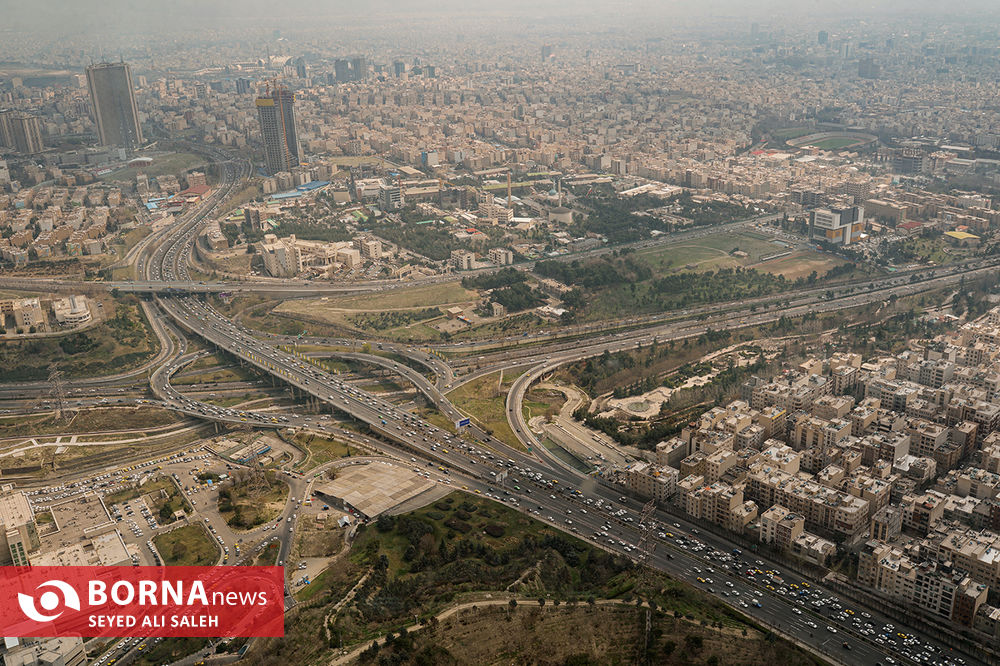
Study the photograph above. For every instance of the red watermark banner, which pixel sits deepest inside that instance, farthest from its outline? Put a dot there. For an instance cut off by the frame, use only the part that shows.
(142, 601)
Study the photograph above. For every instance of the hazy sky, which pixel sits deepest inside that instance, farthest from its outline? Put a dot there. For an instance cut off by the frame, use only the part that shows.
(60, 15)
(39, 29)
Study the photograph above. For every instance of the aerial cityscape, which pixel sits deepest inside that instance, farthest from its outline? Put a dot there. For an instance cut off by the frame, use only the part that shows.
(557, 333)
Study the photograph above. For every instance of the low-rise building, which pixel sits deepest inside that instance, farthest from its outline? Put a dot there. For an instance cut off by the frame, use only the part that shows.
(18, 530)
(501, 256)
(462, 260)
(72, 310)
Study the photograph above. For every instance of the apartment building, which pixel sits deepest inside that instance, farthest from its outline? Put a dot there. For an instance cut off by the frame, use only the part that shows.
(718, 503)
(462, 260)
(934, 587)
(501, 256)
(823, 508)
(656, 482)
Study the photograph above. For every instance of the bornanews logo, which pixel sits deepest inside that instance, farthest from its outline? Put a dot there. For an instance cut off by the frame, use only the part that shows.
(142, 601)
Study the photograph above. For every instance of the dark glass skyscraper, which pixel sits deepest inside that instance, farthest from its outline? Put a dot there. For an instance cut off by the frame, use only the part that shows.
(115, 112)
(276, 111)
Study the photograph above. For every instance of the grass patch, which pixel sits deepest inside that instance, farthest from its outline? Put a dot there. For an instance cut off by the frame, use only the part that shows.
(403, 299)
(391, 319)
(435, 418)
(235, 400)
(709, 253)
(511, 325)
(320, 449)
(835, 143)
(485, 401)
(189, 545)
(801, 264)
(124, 273)
(206, 362)
(542, 402)
(315, 586)
(130, 239)
(215, 376)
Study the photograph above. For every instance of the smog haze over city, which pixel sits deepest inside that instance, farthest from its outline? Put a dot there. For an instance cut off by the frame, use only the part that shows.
(562, 333)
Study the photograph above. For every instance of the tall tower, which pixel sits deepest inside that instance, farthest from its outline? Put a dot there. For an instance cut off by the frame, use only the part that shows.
(276, 111)
(342, 68)
(27, 134)
(7, 128)
(113, 97)
(359, 68)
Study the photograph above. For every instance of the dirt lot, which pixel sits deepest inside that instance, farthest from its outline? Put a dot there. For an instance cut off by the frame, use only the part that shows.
(800, 264)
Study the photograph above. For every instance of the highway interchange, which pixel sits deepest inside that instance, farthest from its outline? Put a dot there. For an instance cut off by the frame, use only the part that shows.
(536, 482)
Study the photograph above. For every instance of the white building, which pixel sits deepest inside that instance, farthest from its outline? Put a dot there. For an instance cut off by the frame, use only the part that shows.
(370, 248)
(839, 226)
(281, 256)
(651, 481)
(71, 311)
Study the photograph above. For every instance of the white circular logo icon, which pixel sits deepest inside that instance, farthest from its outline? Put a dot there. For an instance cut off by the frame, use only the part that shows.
(49, 601)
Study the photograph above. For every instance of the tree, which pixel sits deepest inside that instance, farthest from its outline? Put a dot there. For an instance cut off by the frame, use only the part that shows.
(178, 551)
(591, 601)
(541, 601)
(693, 642)
(512, 603)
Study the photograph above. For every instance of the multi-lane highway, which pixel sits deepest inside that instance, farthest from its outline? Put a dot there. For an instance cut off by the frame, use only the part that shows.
(447, 451)
(536, 483)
